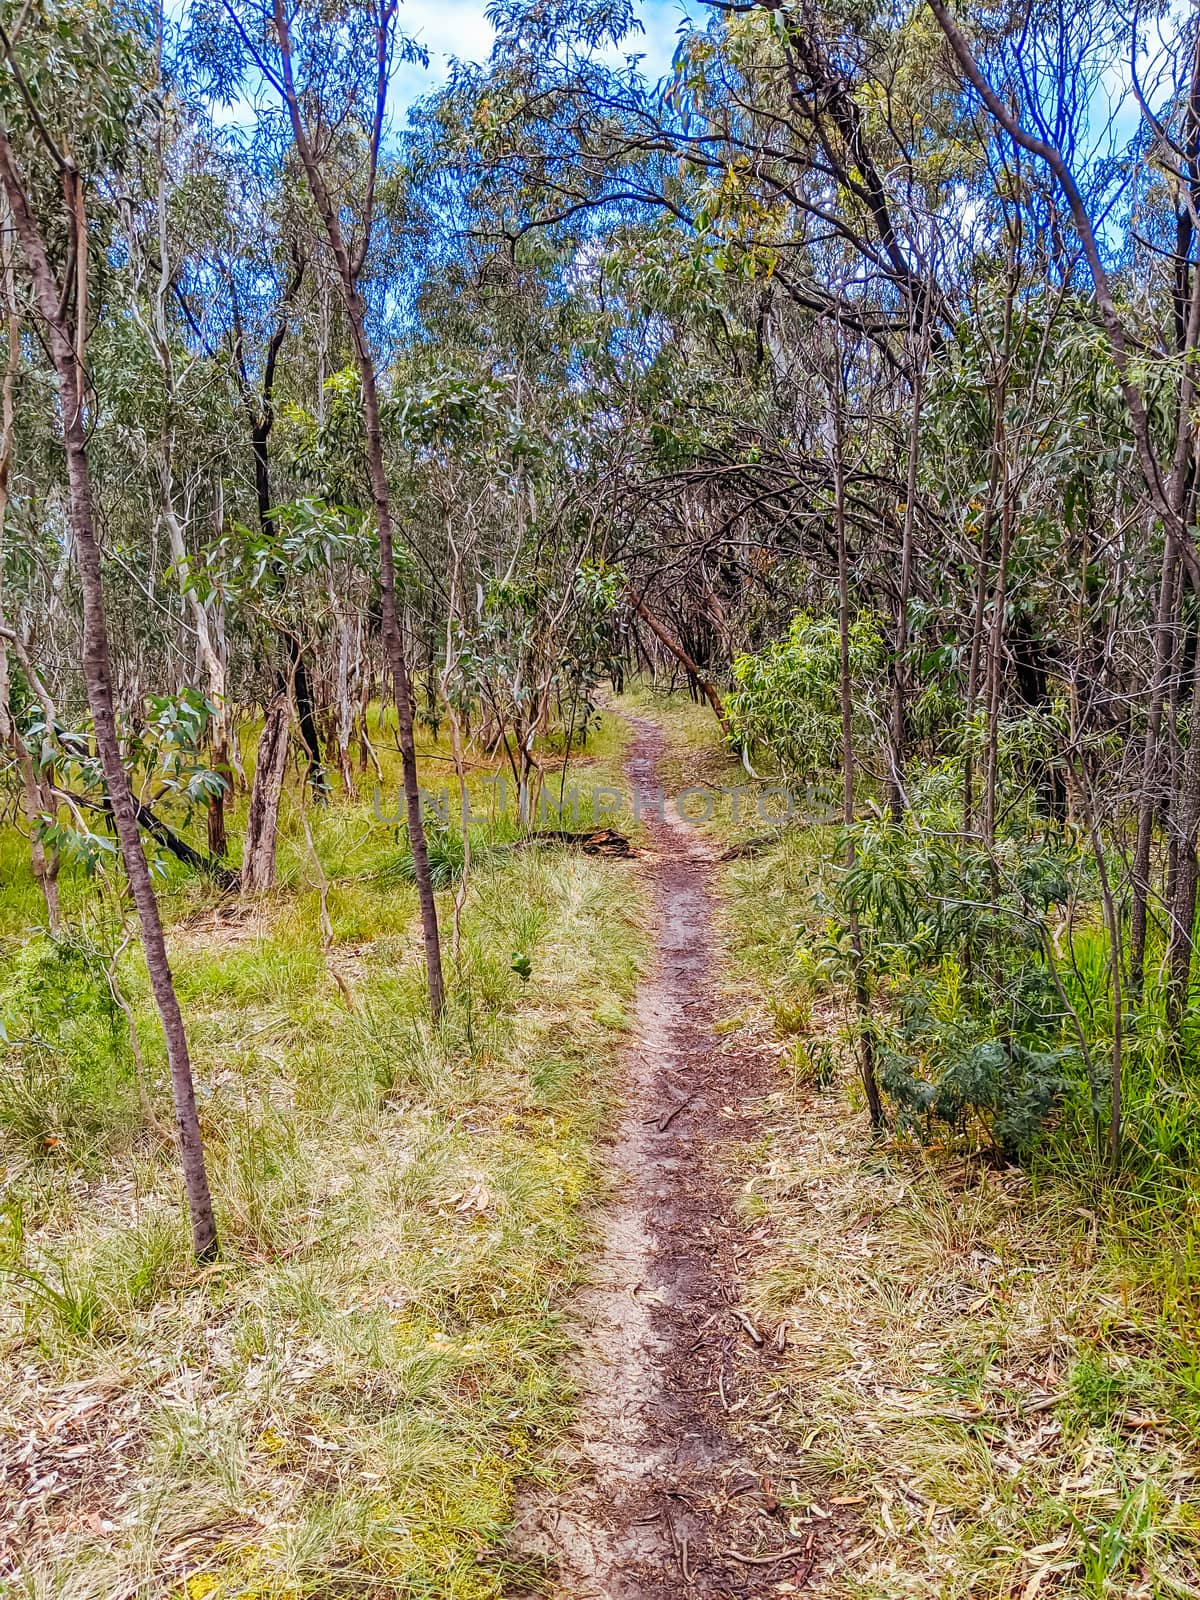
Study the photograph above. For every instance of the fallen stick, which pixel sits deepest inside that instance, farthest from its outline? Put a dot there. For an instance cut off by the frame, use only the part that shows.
(764, 1561)
(665, 1122)
(743, 1320)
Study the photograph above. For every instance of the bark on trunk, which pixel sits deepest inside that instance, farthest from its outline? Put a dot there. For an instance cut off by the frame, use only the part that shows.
(862, 999)
(210, 655)
(306, 719)
(394, 645)
(213, 663)
(97, 669)
(35, 795)
(1185, 822)
(1148, 799)
(900, 674)
(262, 822)
(698, 678)
(262, 423)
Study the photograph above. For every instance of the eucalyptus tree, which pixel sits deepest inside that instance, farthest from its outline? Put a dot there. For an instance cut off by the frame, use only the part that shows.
(32, 751)
(781, 191)
(71, 94)
(1166, 456)
(512, 453)
(331, 71)
(239, 285)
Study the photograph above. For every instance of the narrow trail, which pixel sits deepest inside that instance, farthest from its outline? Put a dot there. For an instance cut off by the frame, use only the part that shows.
(658, 1492)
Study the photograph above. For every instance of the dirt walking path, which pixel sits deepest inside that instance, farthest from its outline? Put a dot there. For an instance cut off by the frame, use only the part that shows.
(661, 1501)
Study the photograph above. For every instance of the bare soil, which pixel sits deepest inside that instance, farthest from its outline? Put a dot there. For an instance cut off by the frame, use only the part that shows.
(661, 1499)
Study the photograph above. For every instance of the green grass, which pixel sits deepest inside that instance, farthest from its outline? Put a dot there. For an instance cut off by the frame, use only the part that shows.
(342, 1403)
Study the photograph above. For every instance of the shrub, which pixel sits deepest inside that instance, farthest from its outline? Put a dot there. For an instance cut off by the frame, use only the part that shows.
(445, 847)
(787, 698)
(1009, 1089)
(65, 1086)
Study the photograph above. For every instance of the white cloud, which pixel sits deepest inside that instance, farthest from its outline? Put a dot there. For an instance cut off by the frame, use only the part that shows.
(459, 29)
(446, 29)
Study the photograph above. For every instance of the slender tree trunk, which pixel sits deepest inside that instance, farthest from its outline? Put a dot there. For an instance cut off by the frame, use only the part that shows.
(394, 645)
(296, 672)
(1180, 491)
(214, 666)
(211, 659)
(1185, 823)
(35, 795)
(295, 675)
(995, 653)
(862, 997)
(995, 666)
(1150, 796)
(66, 349)
(356, 314)
(1112, 923)
(456, 746)
(348, 657)
(900, 673)
(306, 719)
(698, 678)
(979, 612)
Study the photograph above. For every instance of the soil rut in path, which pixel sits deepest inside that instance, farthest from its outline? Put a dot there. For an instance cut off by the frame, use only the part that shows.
(659, 1494)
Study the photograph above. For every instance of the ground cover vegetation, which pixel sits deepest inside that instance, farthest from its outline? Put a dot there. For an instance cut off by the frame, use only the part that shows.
(845, 379)
(984, 1363)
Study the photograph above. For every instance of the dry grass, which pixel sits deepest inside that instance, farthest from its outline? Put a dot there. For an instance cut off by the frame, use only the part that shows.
(342, 1403)
(972, 1361)
(989, 1386)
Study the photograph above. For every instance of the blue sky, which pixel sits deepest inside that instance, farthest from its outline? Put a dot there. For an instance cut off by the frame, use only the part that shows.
(449, 28)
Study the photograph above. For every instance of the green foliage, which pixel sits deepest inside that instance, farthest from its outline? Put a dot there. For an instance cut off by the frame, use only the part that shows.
(522, 966)
(786, 702)
(88, 71)
(164, 754)
(1011, 1090)
(444, 846)
(72, 1302)
(956, 940)
(923, 892)
(256, 567)
(65, 1090)
(600, 585)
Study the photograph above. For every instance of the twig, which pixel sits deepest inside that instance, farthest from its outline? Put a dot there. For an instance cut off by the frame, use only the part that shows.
(139, 1061)
(741, 1318)
(763, 1561)
(326, 920)
(665, 1122)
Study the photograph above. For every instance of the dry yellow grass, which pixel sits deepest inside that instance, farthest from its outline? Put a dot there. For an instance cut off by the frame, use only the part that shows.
(968, 1358)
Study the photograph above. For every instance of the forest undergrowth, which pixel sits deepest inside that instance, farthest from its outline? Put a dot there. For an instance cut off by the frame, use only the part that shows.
(836, 361)
(989, 1366)
(340, 1403)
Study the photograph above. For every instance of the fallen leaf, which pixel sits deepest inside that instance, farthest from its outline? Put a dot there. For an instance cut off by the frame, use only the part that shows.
(476, 1199)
